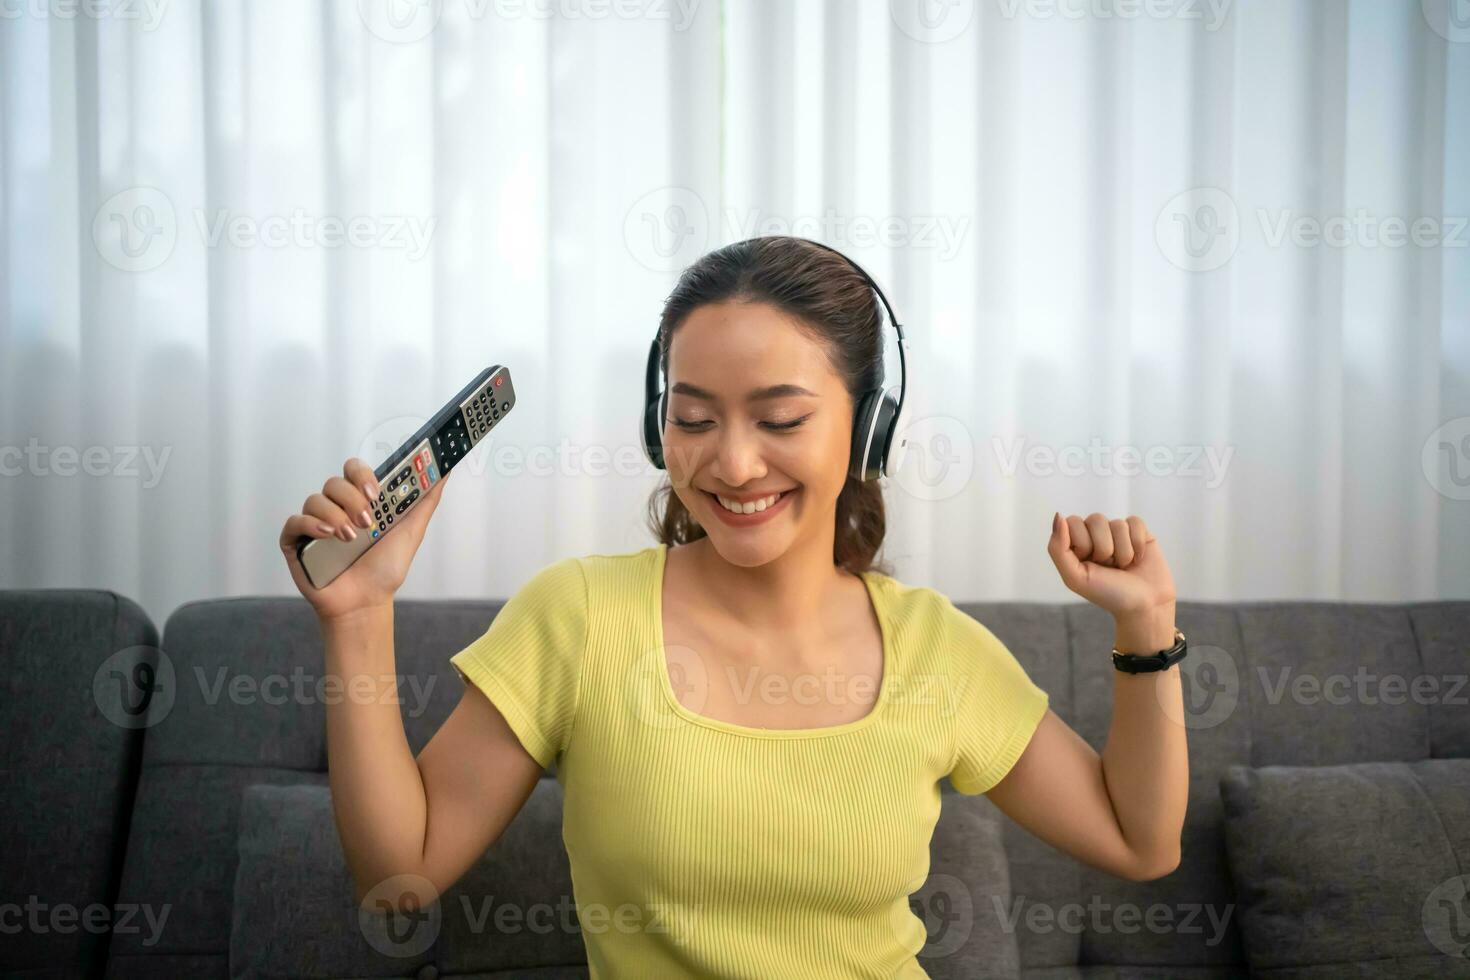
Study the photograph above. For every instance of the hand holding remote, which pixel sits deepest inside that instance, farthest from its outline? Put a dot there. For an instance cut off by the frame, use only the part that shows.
(382, 512)
(373, 579)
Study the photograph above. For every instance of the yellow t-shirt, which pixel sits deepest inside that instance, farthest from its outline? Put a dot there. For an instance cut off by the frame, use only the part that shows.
(704, 848)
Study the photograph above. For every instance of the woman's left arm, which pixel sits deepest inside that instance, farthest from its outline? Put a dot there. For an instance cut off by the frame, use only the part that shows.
(1121, 811)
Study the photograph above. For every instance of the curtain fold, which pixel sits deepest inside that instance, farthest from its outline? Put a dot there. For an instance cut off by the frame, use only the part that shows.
(1202, 261)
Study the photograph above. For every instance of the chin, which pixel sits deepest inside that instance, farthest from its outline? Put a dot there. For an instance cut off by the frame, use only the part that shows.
(740, 550)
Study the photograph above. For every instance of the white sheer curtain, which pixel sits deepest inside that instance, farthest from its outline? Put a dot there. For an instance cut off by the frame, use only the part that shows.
(1202, 261)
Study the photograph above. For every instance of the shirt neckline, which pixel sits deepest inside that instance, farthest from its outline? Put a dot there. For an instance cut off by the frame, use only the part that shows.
(661, 552)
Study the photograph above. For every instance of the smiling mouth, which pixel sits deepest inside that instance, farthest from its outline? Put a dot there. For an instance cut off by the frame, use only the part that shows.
(749, 506)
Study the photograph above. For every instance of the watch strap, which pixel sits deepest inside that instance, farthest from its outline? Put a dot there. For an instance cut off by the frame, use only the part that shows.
(1135, 663)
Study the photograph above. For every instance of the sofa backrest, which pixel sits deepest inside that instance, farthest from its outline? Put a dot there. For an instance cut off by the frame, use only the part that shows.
(69, 764)
(247, 709)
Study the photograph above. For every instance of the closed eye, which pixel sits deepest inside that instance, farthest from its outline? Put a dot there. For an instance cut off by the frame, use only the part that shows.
(701, 425)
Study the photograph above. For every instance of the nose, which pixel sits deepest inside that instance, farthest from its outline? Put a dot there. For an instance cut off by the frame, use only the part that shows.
(738, 459)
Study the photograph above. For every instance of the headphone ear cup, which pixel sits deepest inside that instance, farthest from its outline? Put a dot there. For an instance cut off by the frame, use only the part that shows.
(655, 397)
(883, 429)
(859, 464)
(653, 441)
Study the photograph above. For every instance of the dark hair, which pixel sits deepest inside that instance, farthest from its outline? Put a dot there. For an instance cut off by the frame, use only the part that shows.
(832, 299)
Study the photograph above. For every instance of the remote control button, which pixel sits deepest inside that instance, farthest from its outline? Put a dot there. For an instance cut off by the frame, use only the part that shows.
(505, 406)
(376, 533)
(382, 525)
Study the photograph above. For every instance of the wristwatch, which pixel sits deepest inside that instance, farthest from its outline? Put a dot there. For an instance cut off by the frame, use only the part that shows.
(1134, 663)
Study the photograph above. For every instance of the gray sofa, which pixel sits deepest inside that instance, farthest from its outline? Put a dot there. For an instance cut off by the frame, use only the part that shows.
(1328, 831)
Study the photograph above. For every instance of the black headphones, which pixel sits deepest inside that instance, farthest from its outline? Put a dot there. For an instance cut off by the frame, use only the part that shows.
(878, 422)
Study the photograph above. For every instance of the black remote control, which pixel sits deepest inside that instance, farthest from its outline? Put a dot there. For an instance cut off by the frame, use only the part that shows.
(410, 470)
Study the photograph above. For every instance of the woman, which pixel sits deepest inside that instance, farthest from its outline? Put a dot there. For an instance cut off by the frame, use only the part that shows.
(749, 719)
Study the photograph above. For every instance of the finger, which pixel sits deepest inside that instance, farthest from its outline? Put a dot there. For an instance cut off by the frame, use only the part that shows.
(1064, 556)
(321, 507)
(1139, 534)
(1122, 543)
(351, 499)
(1081, 537)
(299, 525)
(1102, 538)
(360, 475)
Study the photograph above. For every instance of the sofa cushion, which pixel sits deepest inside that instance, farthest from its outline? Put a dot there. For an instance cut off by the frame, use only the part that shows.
(294, 914)
(1351, 870)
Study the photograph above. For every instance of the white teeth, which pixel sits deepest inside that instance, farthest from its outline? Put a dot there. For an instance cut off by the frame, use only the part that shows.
(749, 507)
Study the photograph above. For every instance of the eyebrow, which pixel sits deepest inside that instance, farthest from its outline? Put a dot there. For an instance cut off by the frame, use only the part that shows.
(757, 394)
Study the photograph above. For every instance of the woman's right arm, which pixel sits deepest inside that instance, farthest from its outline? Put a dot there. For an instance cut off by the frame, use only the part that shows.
(406, 819)
(411, 826)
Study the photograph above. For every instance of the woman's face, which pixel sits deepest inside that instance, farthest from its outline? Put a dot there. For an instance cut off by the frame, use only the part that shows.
(755, 410)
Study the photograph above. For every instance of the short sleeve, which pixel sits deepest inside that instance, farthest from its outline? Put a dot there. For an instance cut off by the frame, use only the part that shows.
(998, 706)
(528, 662)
